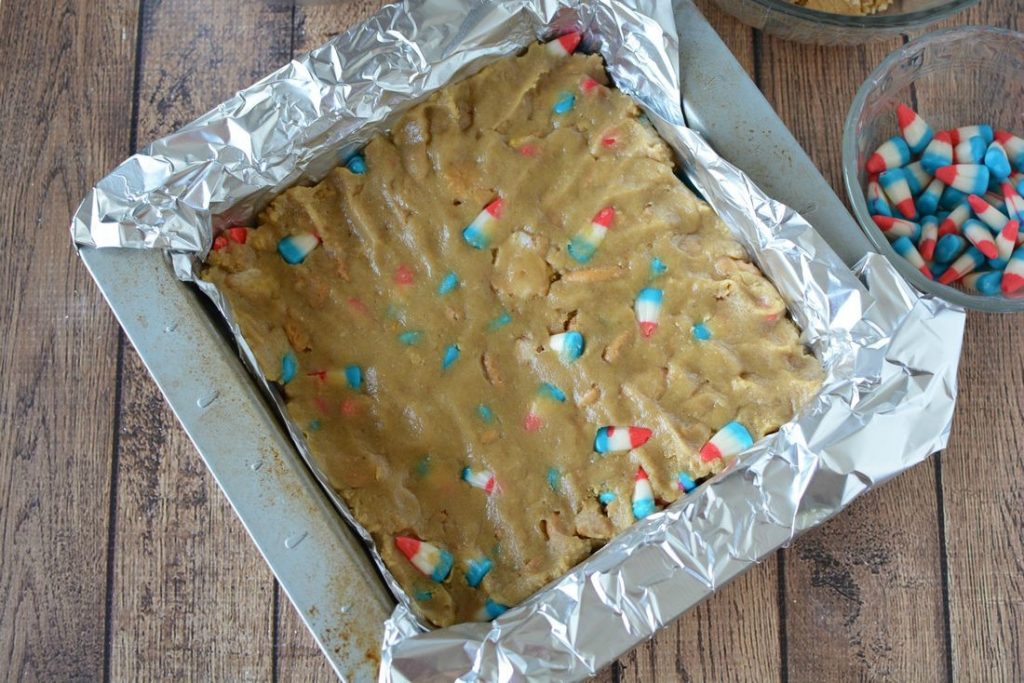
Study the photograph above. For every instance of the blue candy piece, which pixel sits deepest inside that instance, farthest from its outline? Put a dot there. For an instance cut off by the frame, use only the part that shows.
(315, 425)
(701, 332)
(357, 164)
(551, 391)
(581, 250)
(554, 478)
(937, 268)
(658, 267)
(448, 283)
(289, 366)
(500, 321)
(988, 284)
(566, 101)
(951, 198)
(928, 202)
(493, 609)
(485, 413)
(444, 565)
(997, 162)
(423, 595)
(948, 248)
(354, 377)
(996, 264)
(606, 497)
(686, 482)
(477, 571)
(976, 147)
(451, 354)
(410, 337)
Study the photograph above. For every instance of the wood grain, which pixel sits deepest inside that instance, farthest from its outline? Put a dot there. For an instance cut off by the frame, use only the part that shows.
(191, 597)
(864, 598)
(65, 113)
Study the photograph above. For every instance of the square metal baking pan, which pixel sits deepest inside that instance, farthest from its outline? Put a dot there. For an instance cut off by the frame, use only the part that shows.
(319, 562)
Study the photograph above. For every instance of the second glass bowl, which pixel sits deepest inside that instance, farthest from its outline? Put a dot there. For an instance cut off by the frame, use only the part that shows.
(952, 78)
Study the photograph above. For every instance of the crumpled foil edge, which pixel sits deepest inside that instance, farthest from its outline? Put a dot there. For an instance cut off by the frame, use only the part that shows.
(886, 404)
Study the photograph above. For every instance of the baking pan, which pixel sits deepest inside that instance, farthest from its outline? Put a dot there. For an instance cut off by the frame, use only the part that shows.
(320, 563)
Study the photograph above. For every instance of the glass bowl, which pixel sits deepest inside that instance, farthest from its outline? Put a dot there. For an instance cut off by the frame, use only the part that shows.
(804, 25)
(954, 77)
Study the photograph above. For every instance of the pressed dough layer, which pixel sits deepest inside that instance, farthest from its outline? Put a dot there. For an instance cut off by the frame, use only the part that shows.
(369, 296)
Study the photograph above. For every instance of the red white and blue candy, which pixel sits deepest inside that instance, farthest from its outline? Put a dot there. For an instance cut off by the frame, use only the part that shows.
(905, 248)
(939, 153)
(1013, 274)
(648, 310)
(686, 482)
(997, 161)
(929, 237)
(915, 130)
(617, 439)
(295, 248)
(986, 213)
(730, 440)
(970, 151)
(894, 183)
(928, 203)
(236, 234)
(897, 227)
(479, 233)
(1014, 147)
(1013, 201)
(491, 610)
(427, 558)
(481, 479)
(892, 153)
(643, 496)
(969, 178)
(568, 345)
(583, 246)
(987, 283)
(949, 247)
(969, 261)
(878, 204)
(952, 223)
(981, 237)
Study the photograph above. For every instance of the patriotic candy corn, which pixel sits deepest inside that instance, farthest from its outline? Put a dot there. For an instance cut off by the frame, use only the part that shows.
(477, 570)
(1014, 202)
(491, 610)
(564, 45)
(970, 261)
(569, 345)
(617, 439)
(878, 205)
(1006, 240)
(643, 496)
(951, 198)
(730, 440)
(428, 559)
(948, 248)
(584, 244)
(917, 177)
(997, 161)
(686, 482)
(970, 151)
(950, 225)
(969, 178)
(988, 214)
(289, 366)
(915, 130)
(929, 236)
(1013, 274)
(648, 310)
(905, 248)
(984, 131)
(896, 227)
(478, 234)
(357, 164)
(295, 248)
(996, 200)
(981, 237)
(987, 283)
(928, 202)
(939, 153)
(1014, 147)
(482, 479)
(894, 182)
(892, 153)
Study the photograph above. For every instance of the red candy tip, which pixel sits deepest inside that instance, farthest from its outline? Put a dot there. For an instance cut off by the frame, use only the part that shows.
(609, 140)
(988, 249)
(570, 41)
(647, 329)
(907, 208)
(219, 242)
(905, 115)
(588, 84)
(640, 474)
(238, 235)
(528, 150)
(953, 134)
(949, 276)
(407, 546)
(710, 452)
(946, 174)
(496, 208)
(638, 436)
(349, 407)
(875, 164)
(926, 272)
(533, 422)
(605, 217)
(883, 222)
(403, 275)
(977, 203)
(1011, 283)
(1002, 136)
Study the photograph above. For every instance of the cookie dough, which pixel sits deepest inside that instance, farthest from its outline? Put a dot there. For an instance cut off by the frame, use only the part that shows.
(850, 7)
(413, 308)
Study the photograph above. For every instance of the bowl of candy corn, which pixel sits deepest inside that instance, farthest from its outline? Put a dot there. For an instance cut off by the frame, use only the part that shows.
(841, 22)
(933, 162)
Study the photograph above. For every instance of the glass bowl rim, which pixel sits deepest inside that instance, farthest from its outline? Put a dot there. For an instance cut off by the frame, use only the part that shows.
(891, 22)
(851, 171)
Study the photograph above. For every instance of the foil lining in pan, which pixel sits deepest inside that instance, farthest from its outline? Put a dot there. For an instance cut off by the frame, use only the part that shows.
(890, 353)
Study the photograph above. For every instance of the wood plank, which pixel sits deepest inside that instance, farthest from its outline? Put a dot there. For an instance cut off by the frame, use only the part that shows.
(983, 516)
(192, 599)
(64, 120)
(863, 593)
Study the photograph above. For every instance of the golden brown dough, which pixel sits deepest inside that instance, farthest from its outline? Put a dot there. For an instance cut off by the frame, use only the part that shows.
(395, 443)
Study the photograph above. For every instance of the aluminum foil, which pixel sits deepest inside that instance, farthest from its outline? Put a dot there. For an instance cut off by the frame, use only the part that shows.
(889, 352)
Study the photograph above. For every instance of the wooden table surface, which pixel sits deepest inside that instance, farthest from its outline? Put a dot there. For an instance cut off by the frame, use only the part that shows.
(120, 558)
